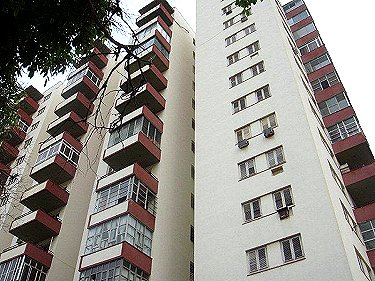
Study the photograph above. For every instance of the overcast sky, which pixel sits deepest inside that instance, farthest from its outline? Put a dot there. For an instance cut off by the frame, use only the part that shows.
(346, 31)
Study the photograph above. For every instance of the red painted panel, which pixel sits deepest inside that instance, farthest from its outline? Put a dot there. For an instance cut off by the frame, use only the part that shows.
(349, 142)
(296, 11)
(90, 84)
(85, 102)
(38, 255)
(329, 92)
(101, 56)
(159, 54)
(164, 25)
(95, 69)
(307, 38)
(371, 257)
(301, 24)
(365, 213)
(25, 117)
(314, 54)
(136, 257)
(338, 116)
(57, 191)
(72, 141)
(360, 174)
(162, 40)
(149, 145)
(141, 214)
(34, 104)
(155, 94)
(164, 10)
(10, 149)
(65, 165)
(321, 72)
(145, 177)
(152, 118)
(4, 169)
(52, 223)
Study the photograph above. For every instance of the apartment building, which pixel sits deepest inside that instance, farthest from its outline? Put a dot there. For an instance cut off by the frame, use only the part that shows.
(349, 143)
(271, 203)
(117, 203)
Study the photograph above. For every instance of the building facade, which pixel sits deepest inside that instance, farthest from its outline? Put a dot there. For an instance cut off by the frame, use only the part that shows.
(113, 203)
(349, 143)
(270, 197)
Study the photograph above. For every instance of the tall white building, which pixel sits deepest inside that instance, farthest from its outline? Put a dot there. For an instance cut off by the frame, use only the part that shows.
(270, 200)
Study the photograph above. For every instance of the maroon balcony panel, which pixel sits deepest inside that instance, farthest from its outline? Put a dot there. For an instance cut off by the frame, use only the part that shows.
(98, 58)
(141, 214)
(34, 93)
(349, 142)
(8, 153)
(4, 169)
(146, 96)
(16, 136)
(153, 4)
(72, 123)
(365, 213)
(314, 54)
(296, 11)
(152, 118)
(164, 25)
(103, 48)
(338, 116)
(321, 72)
(47, 196)
(330, 92)
(301, 24)
(359, 175)
(136, 257)
(307, 38)
(35, 227)
(29, 105)
(25, 117)
(162, 40)
(371, 257)
(160, 11)
(78, 103)
(151, 55)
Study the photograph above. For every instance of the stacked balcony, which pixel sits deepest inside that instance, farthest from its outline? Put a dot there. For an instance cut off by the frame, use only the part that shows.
(8, 153)
(29, 105)
(96, 57)
(77, 103)
(156, 9)
(57, 159)
(70, 122)
(135, 139)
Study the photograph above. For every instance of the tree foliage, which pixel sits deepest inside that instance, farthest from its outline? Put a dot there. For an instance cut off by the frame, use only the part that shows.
(46, 37)
(246, 4)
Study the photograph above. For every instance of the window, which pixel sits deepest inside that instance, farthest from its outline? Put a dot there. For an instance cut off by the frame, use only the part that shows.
(191, 271)
(311, 46)
(247, 51)
(193, 85)
(23, 126)
(132, 128)
(344, 129)
(193, 103)
(34, 126)
(115, 231)
(317, 63)
(283, 198)
(336, 178)
(243, 133)
(227, 9)
(130, 188)
(75, 76)
(325, 82)
(153, 41)
(247, 168)
(192, 233)
(368, 233)
(40, 111)
(269, 121)
(27, 143)
(257, 259)
(292, 249)
(193, 123)
(192, 200)
(192, 172)
(304, 31)
(334, 104)
(292, 5)
(240, 34)
(22, 268)
(275, 157)
(228, 23)
(299, 17)
(46, 97)
(251, 99)
(246, 74)
(150, 29)
(193, 146)
(20, 160)
(252, 210)
(62, 148)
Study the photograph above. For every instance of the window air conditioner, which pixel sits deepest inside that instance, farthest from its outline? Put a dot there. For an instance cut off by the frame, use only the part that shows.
(268, 132)
(228, 12)
(243, 144)
(283, 212)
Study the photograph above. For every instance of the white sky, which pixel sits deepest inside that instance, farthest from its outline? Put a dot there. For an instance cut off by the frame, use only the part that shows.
(345, 28)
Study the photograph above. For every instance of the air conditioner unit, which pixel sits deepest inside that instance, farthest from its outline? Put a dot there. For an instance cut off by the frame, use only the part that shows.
(268, 132)
(283, 212)
(244, 18)
(228, 12)
(243, 144)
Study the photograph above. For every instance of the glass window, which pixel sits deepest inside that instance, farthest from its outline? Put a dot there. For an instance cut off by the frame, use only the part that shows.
(334, 104)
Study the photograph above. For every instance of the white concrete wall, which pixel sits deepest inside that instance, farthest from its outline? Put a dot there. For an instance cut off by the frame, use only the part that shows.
(221, 237)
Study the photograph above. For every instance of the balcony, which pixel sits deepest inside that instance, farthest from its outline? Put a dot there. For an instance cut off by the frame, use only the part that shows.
(17, 136)
(29, 105)
(77, 103)
(32, 251)
(57, 160)
(96, 57)
(8, 153)
(86, 79)
(146, 95)
(159, 10)
(35, 227)
(123, 250)
(33, 93)
(25, 117)
(47, 196)
(71, 123)
(152, 76)
(151, 55)
(134, 170)
(360, 183)
(4, 174)
(353, 150)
